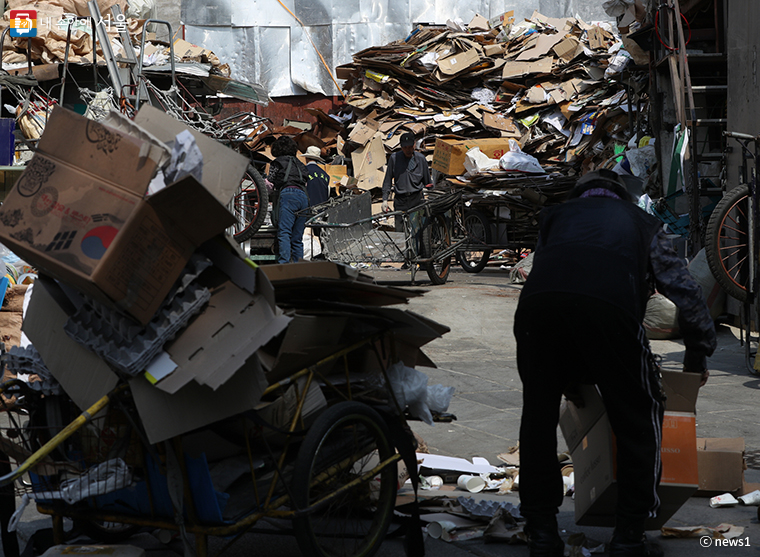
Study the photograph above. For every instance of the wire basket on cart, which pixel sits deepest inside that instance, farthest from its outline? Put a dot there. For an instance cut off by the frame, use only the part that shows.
(421, 236)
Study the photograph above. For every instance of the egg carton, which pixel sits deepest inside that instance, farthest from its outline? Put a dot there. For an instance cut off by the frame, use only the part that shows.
(487, 508)
(122, 330)
(27, 361)
(125, 346)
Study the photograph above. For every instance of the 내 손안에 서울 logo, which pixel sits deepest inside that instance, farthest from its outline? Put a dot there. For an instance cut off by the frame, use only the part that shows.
(23, 23)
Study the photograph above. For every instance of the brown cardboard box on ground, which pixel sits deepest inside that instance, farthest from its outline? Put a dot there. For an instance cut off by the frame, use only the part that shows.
(79, 210)
(594, 454)
(448, 157)
(721, 466)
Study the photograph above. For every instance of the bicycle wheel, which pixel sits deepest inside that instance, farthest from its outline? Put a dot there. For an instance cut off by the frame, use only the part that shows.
(726, 242)
(249, 206)
(436, 238)
(478, 231)
(342, 444)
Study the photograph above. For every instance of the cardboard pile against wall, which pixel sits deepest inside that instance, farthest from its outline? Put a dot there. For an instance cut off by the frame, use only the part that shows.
(546, 81)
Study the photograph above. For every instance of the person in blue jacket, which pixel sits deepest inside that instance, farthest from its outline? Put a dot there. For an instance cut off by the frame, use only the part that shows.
(317, 180)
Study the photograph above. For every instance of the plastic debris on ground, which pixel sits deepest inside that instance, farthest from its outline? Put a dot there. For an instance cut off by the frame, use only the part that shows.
(725, 500)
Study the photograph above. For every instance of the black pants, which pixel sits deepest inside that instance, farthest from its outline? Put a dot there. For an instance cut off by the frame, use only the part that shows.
(564, 338)
(404, 202)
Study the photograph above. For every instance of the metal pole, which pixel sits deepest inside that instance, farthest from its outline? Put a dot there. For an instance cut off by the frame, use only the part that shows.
(105, 44)
(65, 63)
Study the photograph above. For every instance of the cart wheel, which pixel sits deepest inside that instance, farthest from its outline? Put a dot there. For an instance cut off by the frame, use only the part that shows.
(726, 246)
(478, 231)
(249, 206)
(344, 441)
(436, 238)
(106, 532)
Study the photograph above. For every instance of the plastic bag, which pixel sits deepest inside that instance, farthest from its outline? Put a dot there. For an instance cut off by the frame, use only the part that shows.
(106, 477)
(641, 160)
(186, 159)
(141, 9)
(661, 318)
(483, 95)
(410, 389)
(515, 159)
(475, 162)
(311, 245)
(616, 8)
(713, 294)
(617, 64)
(519, 274)
(430, 60)
(439, 397)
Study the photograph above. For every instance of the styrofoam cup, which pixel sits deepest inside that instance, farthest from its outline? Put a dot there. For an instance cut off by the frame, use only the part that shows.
(752, 498)
(436, 529)
(725, 500)
(473, 484)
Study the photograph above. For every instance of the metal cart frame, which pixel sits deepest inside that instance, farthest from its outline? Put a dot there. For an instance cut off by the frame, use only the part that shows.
(273, 503)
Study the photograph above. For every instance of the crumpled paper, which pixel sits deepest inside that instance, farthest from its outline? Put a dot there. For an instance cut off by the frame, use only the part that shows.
(721, 531)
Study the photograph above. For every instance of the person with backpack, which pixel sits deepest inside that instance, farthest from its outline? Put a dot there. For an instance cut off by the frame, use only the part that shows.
(288, 175)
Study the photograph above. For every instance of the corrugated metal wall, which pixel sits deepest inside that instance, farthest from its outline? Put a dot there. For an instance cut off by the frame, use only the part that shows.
(263, 42)
(743, 47)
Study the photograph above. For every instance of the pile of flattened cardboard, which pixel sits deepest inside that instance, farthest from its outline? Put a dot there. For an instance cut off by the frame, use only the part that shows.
(552, 84)
(553, 88)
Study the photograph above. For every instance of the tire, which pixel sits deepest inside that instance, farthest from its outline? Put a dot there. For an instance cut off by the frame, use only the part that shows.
(106, 532)
(478, 230)
(726, 242)
(249, 206)
(349, 432)
(436, 238)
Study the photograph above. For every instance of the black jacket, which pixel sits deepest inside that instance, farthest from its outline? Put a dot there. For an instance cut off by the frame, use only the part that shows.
(287, 171)
(597, 247)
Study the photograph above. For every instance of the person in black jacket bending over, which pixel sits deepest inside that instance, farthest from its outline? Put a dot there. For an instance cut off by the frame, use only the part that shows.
(288, 176)
(408, 174)
(579, 320)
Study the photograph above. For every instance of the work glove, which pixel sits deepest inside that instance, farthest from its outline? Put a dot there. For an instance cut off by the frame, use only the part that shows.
(385, 206)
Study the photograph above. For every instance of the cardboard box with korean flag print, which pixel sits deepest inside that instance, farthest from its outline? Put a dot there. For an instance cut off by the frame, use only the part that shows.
(592, 446)
(81, 211)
